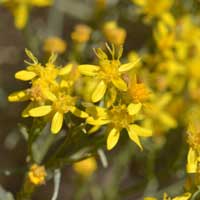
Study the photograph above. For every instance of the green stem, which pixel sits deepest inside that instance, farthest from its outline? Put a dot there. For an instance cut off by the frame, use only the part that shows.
(26, 191)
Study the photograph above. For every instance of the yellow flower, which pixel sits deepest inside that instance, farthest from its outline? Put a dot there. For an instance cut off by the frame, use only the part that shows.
(138, 92)
(81, 33)
(85, 167)
(151, 9)
(55, 45)
(37, 174)
(108, 72)
(113, 33)
(20, 9)
(36, 70)
(49, 93)
(118, 118)
(60, 105)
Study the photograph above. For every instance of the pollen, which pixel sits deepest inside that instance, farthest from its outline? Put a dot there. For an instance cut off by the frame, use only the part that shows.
(64, 103)
(120, 116)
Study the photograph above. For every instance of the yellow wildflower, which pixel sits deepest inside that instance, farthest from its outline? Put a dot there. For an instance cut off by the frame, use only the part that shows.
(37, 174)
(118, 118)
(85, 167)
(151, 9)
(55, 45)
(81, 33)
(48, 94)
(61, 104)
(138, 92)
(109, 73)
(113, 33)
(20, 9)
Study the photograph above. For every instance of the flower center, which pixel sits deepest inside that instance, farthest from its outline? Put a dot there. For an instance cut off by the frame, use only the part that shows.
(63, 103)
(120, 116)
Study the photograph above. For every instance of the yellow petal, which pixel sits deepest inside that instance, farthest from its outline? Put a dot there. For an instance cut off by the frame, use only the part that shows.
(88, 70)
(133, 136)
(150, 198)
(21, 16)
(94, 129)
(128, 66)
(40, 111)
(97, 122)
(112, 94)
(25, 75)
(120, 84)
(134, 108)
(99, 91)
(57, 122)
(113, 138)
(185, 196)
(65, 70)
(141, 131)
(140, 2)
(49, 95)
(41, 3)
(78, 113)
(192, 161)
(25, 112)
(18, 96)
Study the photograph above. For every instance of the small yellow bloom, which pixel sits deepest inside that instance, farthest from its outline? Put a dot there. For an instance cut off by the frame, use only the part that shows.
(54, 45)
(151, 9)
(113, 33)
(109, 72)
(118, 118)
(37, 174)
(63, 103)
(138, 92)
(81, 33)
(85, 167)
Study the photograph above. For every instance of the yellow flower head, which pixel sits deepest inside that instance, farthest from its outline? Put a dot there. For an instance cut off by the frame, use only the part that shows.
(151, 9)
(109, 72)
(85, 167)
(138, 92)
(49, 94)
(113, 33)
(81, 33)
(61, 103)
(37, 174)
(54, 45)
(118, 118)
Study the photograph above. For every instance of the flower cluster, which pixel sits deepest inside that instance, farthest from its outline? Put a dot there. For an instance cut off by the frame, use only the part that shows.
(49, 94)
